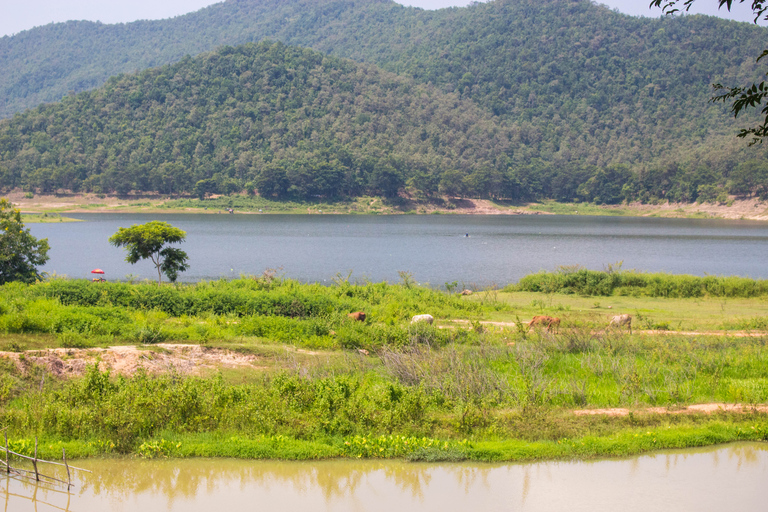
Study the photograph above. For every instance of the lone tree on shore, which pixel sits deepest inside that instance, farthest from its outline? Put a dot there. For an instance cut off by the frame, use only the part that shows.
(20, 252)
(148, 241)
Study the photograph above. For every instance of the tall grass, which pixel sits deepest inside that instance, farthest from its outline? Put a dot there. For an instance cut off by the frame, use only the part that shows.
(620, 282)
(484, 391)
(279, 310)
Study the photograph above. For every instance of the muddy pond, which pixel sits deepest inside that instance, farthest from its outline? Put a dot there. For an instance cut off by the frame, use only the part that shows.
(728, 477)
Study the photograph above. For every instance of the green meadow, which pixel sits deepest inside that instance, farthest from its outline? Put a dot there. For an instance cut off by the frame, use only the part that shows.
(477, 384)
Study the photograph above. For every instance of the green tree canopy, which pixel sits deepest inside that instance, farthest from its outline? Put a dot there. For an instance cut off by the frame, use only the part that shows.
(748, 97)
(148, 241)
(20, 252)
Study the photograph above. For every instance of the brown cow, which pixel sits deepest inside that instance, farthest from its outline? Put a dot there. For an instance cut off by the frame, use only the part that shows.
(620, 320)
(550, 322)
(357, 315)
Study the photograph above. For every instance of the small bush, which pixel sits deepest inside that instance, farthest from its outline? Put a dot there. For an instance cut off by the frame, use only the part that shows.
(148, 334)
(70, 339)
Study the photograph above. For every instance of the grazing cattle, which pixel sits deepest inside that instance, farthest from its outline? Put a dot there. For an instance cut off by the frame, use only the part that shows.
(357, 315)
(549, 322)
(422, 318)
(620, 320)
(466, 292)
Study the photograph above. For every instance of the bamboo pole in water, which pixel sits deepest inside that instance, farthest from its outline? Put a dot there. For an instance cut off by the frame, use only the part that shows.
(64, 456)
(34, 462)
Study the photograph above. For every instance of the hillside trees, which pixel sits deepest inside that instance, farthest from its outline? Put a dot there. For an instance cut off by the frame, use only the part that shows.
(297, 124)
(742, 98)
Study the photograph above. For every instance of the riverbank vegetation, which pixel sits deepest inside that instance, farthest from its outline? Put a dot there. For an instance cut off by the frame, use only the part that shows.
(615, 281)
(476, 385)
(46, 218)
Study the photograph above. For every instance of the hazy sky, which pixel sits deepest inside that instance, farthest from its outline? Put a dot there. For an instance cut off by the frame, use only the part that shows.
(16, 16)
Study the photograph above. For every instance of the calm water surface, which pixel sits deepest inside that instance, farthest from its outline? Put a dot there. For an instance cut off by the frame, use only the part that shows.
(499, 249)
(731, 477)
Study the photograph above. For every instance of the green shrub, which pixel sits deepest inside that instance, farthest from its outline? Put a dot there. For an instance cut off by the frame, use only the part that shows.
(147, 334)
(619, 282)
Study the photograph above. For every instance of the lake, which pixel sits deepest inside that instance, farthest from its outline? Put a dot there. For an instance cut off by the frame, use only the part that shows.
(730, 477)
(434, 248)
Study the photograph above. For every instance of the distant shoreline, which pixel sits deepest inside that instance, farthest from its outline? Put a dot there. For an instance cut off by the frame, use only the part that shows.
(736, 209)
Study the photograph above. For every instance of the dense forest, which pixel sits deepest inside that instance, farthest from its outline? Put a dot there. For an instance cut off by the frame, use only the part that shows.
(553, 98)
(284, 120)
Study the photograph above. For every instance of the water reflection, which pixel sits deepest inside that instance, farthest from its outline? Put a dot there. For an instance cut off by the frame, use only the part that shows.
(720, 478)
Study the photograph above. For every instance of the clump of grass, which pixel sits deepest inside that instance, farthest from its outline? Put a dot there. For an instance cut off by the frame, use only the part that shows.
(614, 281)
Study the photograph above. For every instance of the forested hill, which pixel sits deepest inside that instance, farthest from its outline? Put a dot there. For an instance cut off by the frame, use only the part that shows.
(285, 120)
(599, 105)
(523, 58)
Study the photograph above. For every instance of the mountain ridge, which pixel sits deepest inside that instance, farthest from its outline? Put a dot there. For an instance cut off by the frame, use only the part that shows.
(578, 86)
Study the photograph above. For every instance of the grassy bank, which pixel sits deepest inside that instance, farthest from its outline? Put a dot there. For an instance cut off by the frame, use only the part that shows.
(43, 218)
(623, 443)
(581, 281)
(80, 313)
(450, 391)
(241, 203)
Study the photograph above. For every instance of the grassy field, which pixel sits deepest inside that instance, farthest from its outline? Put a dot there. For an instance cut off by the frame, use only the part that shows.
(478, 384)
(648, 313)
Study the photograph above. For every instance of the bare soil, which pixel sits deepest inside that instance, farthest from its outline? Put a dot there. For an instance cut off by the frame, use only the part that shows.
(750, 209)
(477, 207)
(75, 203)
(691, 409)
(736, 334)
(126, 360)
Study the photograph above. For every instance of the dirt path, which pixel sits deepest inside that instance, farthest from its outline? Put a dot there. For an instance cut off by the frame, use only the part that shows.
(126, 360)
(736, 334)
(691, 409)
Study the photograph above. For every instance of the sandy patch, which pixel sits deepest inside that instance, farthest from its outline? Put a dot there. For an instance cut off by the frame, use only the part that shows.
(691, 409)
(75, 203)
(126, 360)
(475, 207)
(735, 334)
(751, 209)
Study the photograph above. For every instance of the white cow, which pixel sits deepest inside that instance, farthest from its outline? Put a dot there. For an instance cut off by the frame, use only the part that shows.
(620, 320)
(422, 318)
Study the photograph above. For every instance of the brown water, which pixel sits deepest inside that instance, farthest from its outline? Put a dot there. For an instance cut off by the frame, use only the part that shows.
(730, 477)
